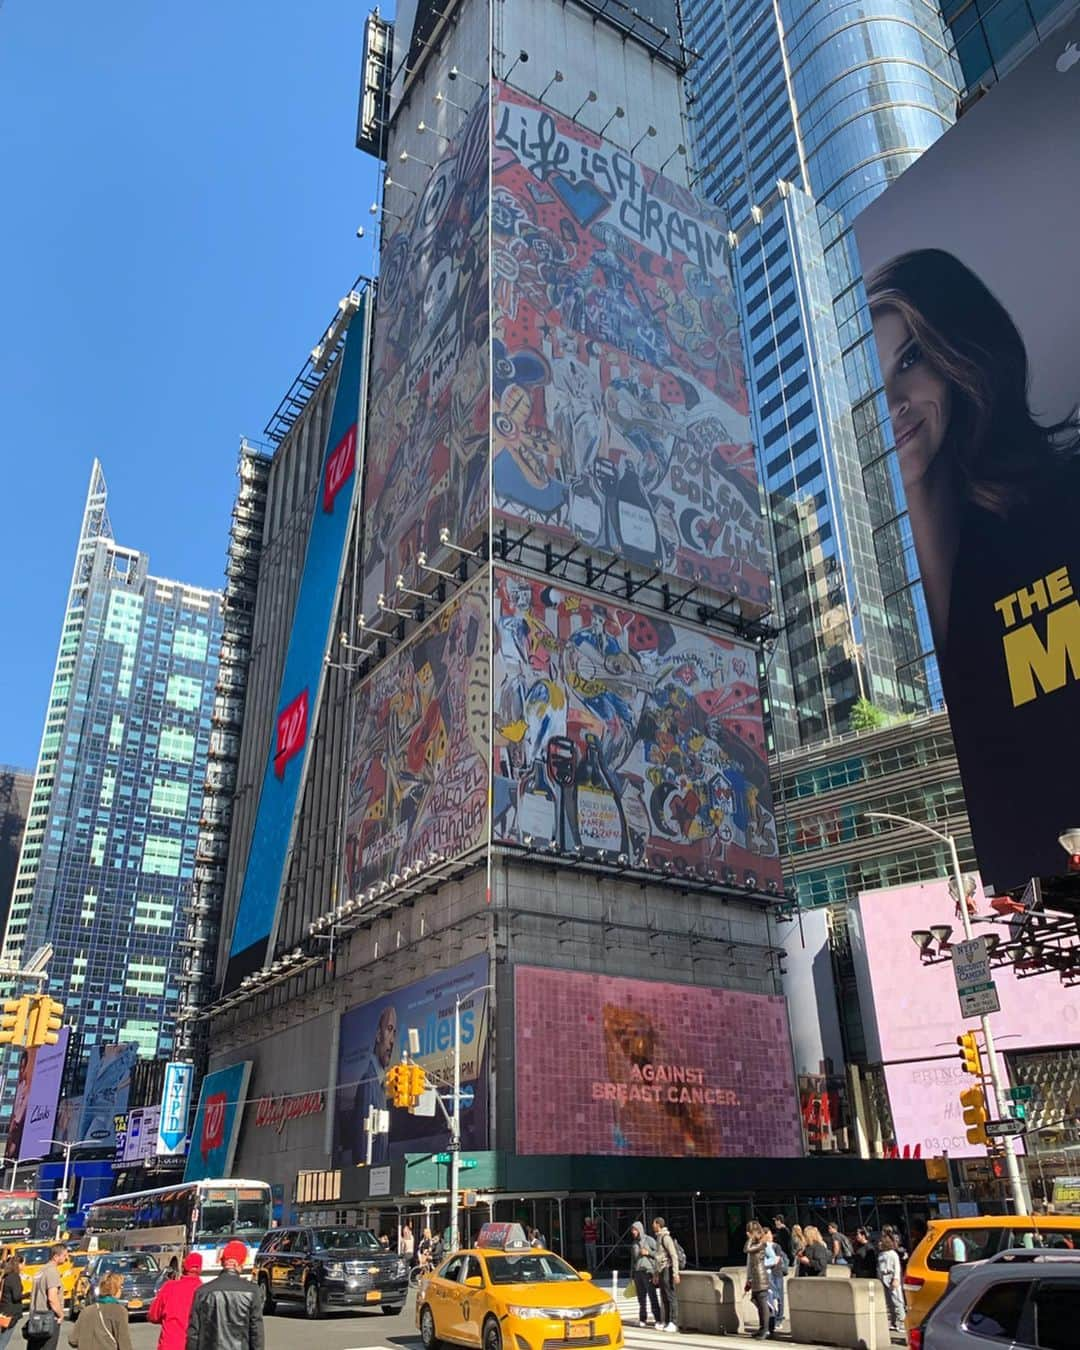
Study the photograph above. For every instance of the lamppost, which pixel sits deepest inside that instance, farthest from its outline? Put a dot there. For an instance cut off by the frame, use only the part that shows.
(69, 1146)
(1016, 1186)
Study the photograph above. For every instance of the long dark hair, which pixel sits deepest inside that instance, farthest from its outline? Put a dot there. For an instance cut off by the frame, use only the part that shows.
(998, 449)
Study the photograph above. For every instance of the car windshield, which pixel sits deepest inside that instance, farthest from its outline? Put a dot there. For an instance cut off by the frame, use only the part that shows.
(136, 1263)
(35, 1256)
(341, 1239)
(529, 1268)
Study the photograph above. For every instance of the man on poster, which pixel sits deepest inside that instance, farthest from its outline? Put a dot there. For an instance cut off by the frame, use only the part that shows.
(371, 1088)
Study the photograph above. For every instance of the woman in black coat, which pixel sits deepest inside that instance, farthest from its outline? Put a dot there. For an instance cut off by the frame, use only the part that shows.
(11, 1300)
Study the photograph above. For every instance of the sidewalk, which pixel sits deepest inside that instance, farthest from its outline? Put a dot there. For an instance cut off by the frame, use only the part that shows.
(648, 1338)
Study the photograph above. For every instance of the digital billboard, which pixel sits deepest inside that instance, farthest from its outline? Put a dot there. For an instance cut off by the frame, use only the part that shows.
(32, 1126)
(971, 264)
(426, 462)
(911, 1014)
(620, 416)
(217, 1122)
(108, 1085)
(621, 733)
(313, 621)
(605, 1065)
(418, 774)
(375, 1035)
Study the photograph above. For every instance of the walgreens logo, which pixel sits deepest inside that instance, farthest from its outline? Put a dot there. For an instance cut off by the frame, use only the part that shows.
(339, 468)
(213, 1130)
(292, 727)
(276, 1112)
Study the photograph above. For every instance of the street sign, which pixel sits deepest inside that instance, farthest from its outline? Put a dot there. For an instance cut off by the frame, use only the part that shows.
(1024, 1092)
(466, 1163)
(971, 970)
(467, 1096)
(442, 1157)
(997, 1129)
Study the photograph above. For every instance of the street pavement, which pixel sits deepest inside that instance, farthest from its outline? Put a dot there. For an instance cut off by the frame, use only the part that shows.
(290, 1330)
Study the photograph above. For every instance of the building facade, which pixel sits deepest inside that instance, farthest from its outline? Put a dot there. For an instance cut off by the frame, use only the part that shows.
(16, 786)
(110, 842)
(802, 114)
(991, 36)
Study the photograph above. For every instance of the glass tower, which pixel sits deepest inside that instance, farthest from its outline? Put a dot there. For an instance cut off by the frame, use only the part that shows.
(109, 849)
(804, 111)
(992, 35)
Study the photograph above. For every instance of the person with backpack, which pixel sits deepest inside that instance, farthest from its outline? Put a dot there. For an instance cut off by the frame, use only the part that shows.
(670, 1263)
(779, 1267)
(839, 1247)
(643, 1269)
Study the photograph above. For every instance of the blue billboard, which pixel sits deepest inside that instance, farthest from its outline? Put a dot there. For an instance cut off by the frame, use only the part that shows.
(302, 676)
(108, 1085)
(217, 1122)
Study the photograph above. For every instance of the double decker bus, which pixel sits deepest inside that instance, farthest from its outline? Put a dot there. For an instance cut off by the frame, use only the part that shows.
(193, 1216)
(24, 1216)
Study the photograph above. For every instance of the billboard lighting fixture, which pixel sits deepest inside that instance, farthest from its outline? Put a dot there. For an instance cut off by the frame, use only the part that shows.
(402, 589)
(750, 881)
(527, 840)
(553, 846)
(440, 97)
(447, 542)
(942, 933)
(519, 60)
(1070, 842)
(422, 563)
(557, 78)
(731, 876)
(649, 131)
(680, 149)
(406, 158)
(393, 182)
(389, 609)
(623, 860)
(424, 130)
(619, 112)
(395, 879)
(454, 73)
(590, 97)
(923, 939)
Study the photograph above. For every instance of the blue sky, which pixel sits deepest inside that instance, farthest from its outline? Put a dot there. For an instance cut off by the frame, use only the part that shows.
(181, 195)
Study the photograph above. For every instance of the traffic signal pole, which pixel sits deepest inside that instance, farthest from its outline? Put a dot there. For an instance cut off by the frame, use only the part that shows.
(455, 1130)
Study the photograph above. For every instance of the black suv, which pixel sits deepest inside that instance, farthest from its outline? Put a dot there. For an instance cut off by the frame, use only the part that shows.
(325, 1268)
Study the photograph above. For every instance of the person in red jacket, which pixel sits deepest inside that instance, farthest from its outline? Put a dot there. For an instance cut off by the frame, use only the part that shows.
(171, 1307)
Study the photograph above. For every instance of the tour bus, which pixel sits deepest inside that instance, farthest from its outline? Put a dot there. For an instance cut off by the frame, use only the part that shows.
(194, 1216)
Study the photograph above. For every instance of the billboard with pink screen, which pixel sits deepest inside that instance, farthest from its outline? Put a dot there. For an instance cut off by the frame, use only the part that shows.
(606, 1065)
(911, 1014)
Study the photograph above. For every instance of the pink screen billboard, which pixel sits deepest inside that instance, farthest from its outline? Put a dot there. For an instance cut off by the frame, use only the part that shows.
(606, 1065)
(911, 1013)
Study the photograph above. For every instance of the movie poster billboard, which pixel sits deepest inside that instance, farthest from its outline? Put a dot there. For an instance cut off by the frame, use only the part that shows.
(32, 1126)
(426, 461)
(620, 415)
(418, 775)
(217, 1122)
(376, 1034)
(108, 1085)
(971, 264)
(621, 734)
(605, 1065)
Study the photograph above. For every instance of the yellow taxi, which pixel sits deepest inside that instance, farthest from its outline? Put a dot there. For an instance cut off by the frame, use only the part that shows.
(503, 1294)
(951, 1241)
(34, 1255)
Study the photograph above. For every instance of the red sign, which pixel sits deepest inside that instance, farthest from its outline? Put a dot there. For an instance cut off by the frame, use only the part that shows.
(278, 1111)
(213, 1133)
(339, 468)
(291, 732)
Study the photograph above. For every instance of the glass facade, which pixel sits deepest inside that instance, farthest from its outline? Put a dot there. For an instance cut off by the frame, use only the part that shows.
(992, 35)
(109, 851)
(803, 113)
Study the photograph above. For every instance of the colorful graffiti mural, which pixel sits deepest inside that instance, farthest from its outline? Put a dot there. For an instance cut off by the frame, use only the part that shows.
(418, 776)
(426, 464)
(620, 413)
(621, 733)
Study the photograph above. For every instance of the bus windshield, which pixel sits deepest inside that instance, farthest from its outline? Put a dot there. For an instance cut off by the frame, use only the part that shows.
(228, 1211)
(18, 1208)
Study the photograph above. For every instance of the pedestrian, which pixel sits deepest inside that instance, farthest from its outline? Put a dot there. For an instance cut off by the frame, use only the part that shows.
(643, 1271)
(839, 1245)
(42, 1330)
(424, 1249)
(758, 1284)
(11, 1303)
(171, 1308)
(103, 1324)
(782, 1237)
(590, 1233)
(798, 1244)
(888, 1230)
(536, 1238)
(778, 1266)
(226, 1314)
(815, 1255)
(888, 1269)
(864, 1256)
(668, 1275)
(406, 1242)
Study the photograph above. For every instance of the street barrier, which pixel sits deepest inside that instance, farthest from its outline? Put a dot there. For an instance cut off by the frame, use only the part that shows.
(847, 1312)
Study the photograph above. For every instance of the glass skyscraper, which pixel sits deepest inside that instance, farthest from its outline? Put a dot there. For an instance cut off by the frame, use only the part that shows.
(109, 850)
(804, 111)
(992, 35)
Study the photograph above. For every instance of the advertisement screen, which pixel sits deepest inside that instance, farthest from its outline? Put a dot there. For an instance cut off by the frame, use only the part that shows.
(217, 1122)
(418, 777)
(32, 1127)
(108, 1084)
(623, 734)
(301, 680)
(614, 1066)
(426, 463)
(971, 264)
(911, 1013)
(376, 1035)
(620, 411)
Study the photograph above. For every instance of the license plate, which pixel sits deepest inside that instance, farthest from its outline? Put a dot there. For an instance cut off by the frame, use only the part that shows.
(373, 1295)
(134, 1302)
(578, 1331)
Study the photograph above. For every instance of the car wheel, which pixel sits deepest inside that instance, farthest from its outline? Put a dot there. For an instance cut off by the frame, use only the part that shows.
(492, 1335)
(427, 1329)
(392, 1310)
(268, 1298)
(313, 1306)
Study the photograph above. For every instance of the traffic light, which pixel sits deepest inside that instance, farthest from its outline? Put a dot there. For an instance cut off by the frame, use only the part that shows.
(969, 1053)
(417, 1083)
(14, 1020)
(46, 1019)
(974, 1104)
(397, 1086)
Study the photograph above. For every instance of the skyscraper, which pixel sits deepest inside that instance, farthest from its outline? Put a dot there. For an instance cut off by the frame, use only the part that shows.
(109, 849)
(991, 36)
(803, 113)
(15, 788)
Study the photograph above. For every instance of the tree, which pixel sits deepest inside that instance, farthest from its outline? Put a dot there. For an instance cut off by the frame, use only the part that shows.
(866, 717)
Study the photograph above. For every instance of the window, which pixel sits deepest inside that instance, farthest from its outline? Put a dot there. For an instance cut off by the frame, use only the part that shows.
(963, 1244)
(472, 1267)
(996, 1316)
(1056, 1303)
(452, 1269)
(301, 1243)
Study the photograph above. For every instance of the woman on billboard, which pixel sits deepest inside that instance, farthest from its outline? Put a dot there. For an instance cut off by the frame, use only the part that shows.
(992, 497)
